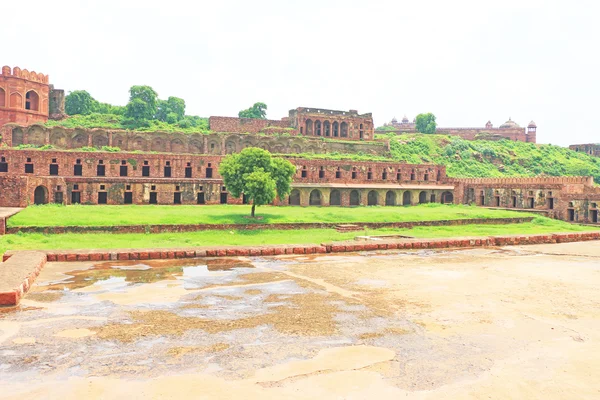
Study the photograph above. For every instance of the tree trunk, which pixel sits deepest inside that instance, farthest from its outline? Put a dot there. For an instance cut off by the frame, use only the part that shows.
(253, 206)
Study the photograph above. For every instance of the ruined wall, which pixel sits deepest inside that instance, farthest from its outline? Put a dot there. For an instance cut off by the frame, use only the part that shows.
(593, 149)
(23, 96)
(62, 138)
(249, 125)
(346, 125)
(516, 134)
(572, 199)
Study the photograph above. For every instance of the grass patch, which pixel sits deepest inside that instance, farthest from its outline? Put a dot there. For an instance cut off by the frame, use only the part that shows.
(36, 241)
(95, 215)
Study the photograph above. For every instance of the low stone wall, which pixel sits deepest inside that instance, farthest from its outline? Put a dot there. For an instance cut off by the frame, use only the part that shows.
(18, 273)
(283, 226)
(21, 268)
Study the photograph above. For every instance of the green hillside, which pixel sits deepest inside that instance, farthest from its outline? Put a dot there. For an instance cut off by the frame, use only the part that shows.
(482, 158)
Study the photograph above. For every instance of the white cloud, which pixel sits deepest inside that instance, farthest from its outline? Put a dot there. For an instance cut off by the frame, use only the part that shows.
(466, 61)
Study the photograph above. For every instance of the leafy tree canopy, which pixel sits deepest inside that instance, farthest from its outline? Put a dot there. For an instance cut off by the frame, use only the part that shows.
(143, 103)
(256, 174)
(425, 123)
(171, 110)
(258, 111)
(80, 102)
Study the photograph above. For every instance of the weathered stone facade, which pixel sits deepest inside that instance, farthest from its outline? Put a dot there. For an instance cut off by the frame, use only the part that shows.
(63, 138)
(573, 199)
(304, 121)
(36, 177)
(347, 125)
(508, 130)
(24, 96)
(593, 149)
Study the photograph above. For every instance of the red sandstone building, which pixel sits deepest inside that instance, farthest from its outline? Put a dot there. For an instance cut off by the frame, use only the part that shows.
(508, 130)
(27, 97)
(172, 168)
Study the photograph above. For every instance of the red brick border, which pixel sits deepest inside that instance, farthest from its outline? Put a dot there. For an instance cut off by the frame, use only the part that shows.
(282, 226)
(15, 259)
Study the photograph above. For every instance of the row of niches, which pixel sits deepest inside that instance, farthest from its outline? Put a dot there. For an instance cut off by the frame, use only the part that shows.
(219, 144)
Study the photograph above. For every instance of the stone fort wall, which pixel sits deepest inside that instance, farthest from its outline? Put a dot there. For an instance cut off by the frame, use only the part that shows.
(573, 199)
(593, 149)
(63, 138)
(35, 176)
(24, 96)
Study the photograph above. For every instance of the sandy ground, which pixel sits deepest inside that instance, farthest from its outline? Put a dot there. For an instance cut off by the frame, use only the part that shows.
(507, 323)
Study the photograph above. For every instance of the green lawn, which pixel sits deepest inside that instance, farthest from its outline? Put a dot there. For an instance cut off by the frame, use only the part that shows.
(82, 215)
(259, 237)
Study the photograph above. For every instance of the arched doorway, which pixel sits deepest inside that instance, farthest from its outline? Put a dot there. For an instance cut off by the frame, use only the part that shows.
(335, 199)
(390, 198)
(406, 199)
(372, 198)
(2, 98)
(447, 198)
(295, 198)
(315, 198)
(354, 198)
(40, 195)
(422, 198)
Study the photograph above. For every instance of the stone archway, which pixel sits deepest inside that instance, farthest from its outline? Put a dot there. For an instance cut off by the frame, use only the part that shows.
(373, 198)
(40, 195)
(422, 198)
(294, 199)
(406, 198)
(354, 198)
(447, 198)
(390, 198)
(315, 198)
(335, 198)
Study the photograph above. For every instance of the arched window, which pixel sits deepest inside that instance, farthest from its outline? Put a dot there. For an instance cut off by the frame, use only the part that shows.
(354, 198)
(344, 129)
(318, 128)
(335, 199)
(2, 98)
(32, 101)
(336, 129)
(295, 198)
(373, 198)
(390, 198)
(309, 127)
(315, 198)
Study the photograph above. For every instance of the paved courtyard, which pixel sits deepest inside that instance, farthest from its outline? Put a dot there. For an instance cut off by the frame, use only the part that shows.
(498, 323)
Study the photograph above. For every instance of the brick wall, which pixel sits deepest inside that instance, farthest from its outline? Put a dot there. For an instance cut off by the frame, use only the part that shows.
(61, 138)
(248, 125)
(60, 174)
(14, 87)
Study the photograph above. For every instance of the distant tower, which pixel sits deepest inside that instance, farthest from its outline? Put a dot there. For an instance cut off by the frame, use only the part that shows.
(531, 132)
(489, 125)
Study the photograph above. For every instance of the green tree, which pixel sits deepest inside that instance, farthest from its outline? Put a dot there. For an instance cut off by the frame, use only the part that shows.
(258, 111)
(256, 174)
(80, 102)
(143, 103)
(425, 123)
(174, 106)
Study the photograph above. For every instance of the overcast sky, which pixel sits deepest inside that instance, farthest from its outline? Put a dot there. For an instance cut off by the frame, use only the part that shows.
(466, 61)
